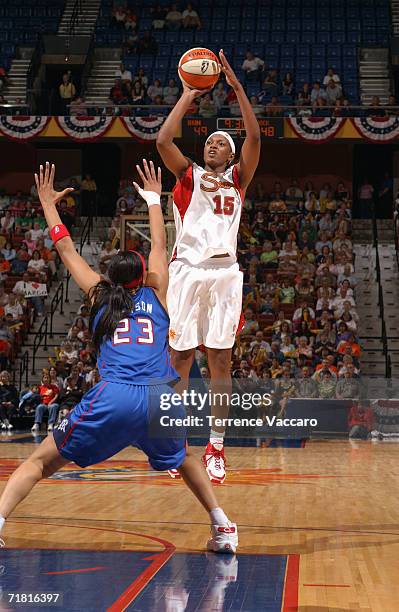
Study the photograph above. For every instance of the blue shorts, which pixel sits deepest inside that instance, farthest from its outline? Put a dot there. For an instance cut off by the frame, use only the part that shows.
(113, 416)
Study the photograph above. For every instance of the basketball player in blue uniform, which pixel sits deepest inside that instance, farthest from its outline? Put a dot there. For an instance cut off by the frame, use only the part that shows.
(129, 325)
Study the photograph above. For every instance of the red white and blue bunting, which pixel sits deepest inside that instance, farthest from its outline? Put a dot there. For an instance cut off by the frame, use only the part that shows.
(85, 129)
(144, 129)
(377, 129)
(22, 127)
(316, 129)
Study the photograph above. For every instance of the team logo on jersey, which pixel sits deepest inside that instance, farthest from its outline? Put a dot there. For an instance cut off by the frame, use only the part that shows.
(172, 334)
(216, 184)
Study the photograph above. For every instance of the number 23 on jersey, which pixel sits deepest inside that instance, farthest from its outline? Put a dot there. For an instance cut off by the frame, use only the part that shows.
(122, 332)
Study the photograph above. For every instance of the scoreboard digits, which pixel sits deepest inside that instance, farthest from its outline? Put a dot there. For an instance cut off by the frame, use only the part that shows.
(201, 128)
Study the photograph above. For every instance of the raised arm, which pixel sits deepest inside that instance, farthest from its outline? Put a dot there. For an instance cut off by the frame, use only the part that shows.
(158, 273)
(81, 272)
(250, 150)
(171, 155)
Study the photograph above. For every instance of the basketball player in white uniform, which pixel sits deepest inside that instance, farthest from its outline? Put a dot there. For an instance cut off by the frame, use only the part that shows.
(205, 284)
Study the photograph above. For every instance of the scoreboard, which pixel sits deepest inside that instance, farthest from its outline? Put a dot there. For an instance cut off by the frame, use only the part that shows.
(198, 127)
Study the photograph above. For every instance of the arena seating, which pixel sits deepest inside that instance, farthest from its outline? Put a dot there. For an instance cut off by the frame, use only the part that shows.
(21, 22)
(302, 37)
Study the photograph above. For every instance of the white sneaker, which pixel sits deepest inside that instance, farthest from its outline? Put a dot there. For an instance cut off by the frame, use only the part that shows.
(36, 427)
(215, 463)
(174, 474)
(9, 426)
(3, 426)
(50, 428)
(224, 539)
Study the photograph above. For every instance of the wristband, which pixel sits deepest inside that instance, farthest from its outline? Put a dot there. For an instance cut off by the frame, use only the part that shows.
(152, 198)
(58, 232)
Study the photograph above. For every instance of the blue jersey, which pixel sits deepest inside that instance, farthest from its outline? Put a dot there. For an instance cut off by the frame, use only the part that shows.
(138, 352)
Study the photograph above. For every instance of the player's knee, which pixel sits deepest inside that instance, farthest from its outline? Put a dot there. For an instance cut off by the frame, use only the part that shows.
(182, 358)
(219, 362)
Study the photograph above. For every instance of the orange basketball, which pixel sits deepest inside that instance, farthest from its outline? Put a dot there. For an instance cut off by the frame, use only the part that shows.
(199, 68)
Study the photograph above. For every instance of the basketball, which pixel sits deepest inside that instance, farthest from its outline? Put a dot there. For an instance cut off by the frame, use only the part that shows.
(199, 68)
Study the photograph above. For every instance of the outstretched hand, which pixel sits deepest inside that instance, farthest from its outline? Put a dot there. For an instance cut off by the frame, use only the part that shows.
(230, 75)
(195, 93)
(45, 186)
(151, 181)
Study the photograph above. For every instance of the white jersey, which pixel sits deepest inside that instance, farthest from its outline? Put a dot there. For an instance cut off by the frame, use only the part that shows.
(207, 212)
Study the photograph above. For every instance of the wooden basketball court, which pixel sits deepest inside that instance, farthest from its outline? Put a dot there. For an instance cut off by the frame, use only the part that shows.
(318, 527)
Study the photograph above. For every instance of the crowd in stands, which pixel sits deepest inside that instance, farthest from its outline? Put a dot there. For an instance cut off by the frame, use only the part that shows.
(28, 266)
(301, 322)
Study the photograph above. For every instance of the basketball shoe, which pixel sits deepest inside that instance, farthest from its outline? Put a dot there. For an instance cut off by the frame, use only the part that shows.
(174, 474)
(215, 462)
(224, 538)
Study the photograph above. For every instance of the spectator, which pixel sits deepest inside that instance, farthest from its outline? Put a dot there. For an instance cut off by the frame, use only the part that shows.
(8, 400)
(147, 44)
(122, 74)
(130, 20)
(306, 387)
(19, 265)
(392, 107)
(138, 93)
(269, 87)
(171, 93)
(37, 265)
(347, 386)
(7, 222)
(6, 339)
(252, 66)
(118, 16)
(107, 252)
(66, 92)
(141, 78)
(89, 192)
(14, 308)
(191, 20)
(333, 92)
(158, 15)
(304, 96)
(219, 95)
(3, 77)
(49, 394)
(8, 251)
(23, 287)
(317, 92)
(174, 18)
(207, 106)
(274, 108)
(130, 44)
(78, 107)
(256, 107)
(116, 94)
(287, 85)
(375, 109)
(331, 76)
(326, 384)
(155, 90)
(366, 199)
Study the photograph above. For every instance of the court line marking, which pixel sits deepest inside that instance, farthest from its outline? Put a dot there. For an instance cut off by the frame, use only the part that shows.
(291, 584)
(131, 592)
(328, 585)
(243, 525)
(78, 571)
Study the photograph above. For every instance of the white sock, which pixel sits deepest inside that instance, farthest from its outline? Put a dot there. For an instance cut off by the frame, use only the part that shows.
(217, 439)
(2, 521)
(218, 517)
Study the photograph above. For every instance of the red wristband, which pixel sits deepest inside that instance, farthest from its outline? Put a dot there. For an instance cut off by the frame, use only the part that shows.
(58, 232)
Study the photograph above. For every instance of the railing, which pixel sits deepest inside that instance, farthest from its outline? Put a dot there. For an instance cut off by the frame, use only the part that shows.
(24, 370)
(381, 297)
(32, 73)
(58, 300)
(84, 238)
(88, 66)
(76, 13)
(39, 339)
(45, 330)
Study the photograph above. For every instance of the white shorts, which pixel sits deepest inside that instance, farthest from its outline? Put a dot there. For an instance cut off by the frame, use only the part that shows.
(204, 304)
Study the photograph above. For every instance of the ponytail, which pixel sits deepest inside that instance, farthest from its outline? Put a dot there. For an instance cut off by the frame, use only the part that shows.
(115, 303)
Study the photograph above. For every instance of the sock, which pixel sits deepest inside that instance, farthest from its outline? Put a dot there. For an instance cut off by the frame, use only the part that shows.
(2, 521)
(218, 517)
(216, 438)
